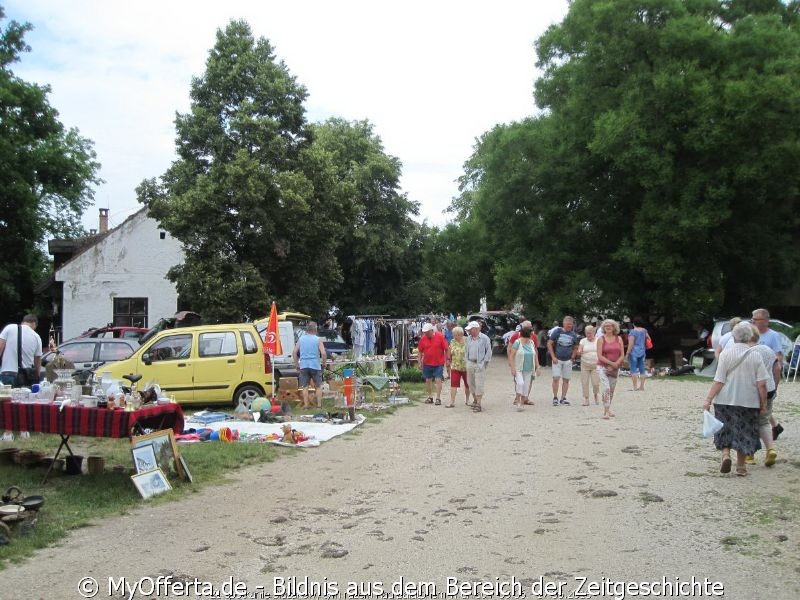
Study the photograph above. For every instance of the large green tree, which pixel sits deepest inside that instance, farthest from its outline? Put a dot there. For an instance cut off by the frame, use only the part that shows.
(662, 175)
(268, 206)
(45, 181)
(237, 197)
(379, 253)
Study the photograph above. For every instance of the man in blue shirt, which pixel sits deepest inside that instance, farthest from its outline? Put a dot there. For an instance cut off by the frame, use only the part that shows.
(770, 338)
(309, 358)
(562, 346)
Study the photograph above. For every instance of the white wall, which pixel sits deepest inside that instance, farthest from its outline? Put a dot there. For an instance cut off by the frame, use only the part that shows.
(130, 262)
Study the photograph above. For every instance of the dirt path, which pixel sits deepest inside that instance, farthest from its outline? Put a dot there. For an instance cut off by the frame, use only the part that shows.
(546, 495)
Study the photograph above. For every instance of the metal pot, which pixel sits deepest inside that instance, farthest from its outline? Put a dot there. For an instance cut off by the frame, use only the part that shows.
(33, 503)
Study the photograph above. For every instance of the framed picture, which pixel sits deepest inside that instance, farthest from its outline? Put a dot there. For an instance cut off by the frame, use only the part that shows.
(144, 458)
(186, 474)
(164, 448)
(151, 483)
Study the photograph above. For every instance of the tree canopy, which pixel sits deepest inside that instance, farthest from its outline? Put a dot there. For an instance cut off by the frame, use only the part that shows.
(661, 176)
(46, 180)
(271, 207)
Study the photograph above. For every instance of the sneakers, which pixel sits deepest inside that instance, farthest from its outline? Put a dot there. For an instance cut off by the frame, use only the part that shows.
(564, 402)
(24, 435)
(772, 456)
(776, 431)
(555, 401)
(750, 460)
(7, 437)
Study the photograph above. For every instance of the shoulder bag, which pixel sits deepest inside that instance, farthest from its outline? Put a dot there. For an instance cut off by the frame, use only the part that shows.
(26, 376)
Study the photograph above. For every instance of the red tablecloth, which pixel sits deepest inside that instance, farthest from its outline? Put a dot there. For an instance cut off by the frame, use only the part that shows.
(94, 422)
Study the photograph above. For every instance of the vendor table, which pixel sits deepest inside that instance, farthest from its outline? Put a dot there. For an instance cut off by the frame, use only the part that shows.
(92, 422)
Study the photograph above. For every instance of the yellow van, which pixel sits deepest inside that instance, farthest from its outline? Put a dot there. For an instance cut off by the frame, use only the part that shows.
(202, 364)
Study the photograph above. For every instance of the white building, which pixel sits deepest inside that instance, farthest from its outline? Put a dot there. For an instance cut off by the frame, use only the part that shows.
(118, 278)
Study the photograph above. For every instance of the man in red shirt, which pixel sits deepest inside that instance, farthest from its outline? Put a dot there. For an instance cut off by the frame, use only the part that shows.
(433, 352)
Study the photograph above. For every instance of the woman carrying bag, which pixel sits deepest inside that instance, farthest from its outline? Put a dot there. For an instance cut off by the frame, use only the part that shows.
(739, 394)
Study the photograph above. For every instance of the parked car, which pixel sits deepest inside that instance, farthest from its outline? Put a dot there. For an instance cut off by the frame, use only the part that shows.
(721, 327)
(283, 363)
(203, 364)
(495, 323)
(87, 354)
(114, 331)
(333, 342)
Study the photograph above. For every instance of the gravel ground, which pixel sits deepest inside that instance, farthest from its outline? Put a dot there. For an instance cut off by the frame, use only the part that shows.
(514, 501)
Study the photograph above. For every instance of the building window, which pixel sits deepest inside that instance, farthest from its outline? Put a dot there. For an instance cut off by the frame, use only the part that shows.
(130, 312)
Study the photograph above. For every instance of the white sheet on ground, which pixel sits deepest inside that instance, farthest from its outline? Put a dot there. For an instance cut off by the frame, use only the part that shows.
(316, 432)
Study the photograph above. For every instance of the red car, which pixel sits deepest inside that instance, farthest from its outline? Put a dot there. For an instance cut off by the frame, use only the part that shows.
(110, 331)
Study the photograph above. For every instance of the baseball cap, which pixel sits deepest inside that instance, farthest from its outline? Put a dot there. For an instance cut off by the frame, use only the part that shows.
(472, 325)
(427, 327)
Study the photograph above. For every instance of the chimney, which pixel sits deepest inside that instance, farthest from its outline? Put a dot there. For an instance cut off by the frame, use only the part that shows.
(103, 220)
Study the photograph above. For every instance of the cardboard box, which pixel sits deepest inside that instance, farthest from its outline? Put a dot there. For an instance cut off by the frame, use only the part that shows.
(288, 383)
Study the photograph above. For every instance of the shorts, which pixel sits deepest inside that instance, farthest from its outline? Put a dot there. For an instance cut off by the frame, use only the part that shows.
(562, 369)
(637, 364)
(432, 372)
(456, 377)
(308, 375)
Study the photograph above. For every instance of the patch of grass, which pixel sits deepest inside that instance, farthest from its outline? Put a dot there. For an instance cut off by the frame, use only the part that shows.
(77, 501)
(685, 378)
(772, 509)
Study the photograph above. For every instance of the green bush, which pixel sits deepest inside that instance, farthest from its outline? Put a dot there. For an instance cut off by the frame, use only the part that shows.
(411, 374)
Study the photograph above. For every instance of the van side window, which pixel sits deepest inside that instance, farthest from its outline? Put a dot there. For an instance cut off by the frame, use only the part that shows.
(217, 343)
(172, 347)
(249, 343)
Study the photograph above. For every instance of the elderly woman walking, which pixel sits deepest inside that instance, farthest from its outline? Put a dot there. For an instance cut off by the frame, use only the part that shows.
(524, 362)
(587, 350)
(739, 395)
(610, 353)
(458, 366)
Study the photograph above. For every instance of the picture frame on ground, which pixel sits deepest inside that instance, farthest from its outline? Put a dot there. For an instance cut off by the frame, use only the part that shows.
(151, 483)
(144, 458)
(187, 476)
(165, 449)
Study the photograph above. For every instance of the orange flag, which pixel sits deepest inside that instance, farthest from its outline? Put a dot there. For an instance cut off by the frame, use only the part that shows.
(272, 344)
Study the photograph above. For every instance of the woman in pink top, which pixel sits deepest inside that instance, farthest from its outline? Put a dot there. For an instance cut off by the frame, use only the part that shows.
(610, 352)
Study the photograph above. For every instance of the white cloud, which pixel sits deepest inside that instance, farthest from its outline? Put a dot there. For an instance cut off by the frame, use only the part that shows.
(431, 76)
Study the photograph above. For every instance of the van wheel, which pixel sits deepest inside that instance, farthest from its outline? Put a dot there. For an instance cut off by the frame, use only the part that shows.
(246, 394)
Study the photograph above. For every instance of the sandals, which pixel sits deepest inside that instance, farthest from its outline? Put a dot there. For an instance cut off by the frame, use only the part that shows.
(429, 400)
(725, 467)
(438, 402)
(476, 408)
(741, 471)
(528, 402)
(449, 405)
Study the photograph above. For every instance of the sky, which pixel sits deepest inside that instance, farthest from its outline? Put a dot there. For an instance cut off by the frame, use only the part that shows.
(430, 76)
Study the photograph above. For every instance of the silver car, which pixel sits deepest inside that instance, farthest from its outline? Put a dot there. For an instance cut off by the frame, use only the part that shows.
(722, 327)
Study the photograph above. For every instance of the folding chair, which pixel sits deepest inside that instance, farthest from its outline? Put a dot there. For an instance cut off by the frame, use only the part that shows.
(794, 361)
